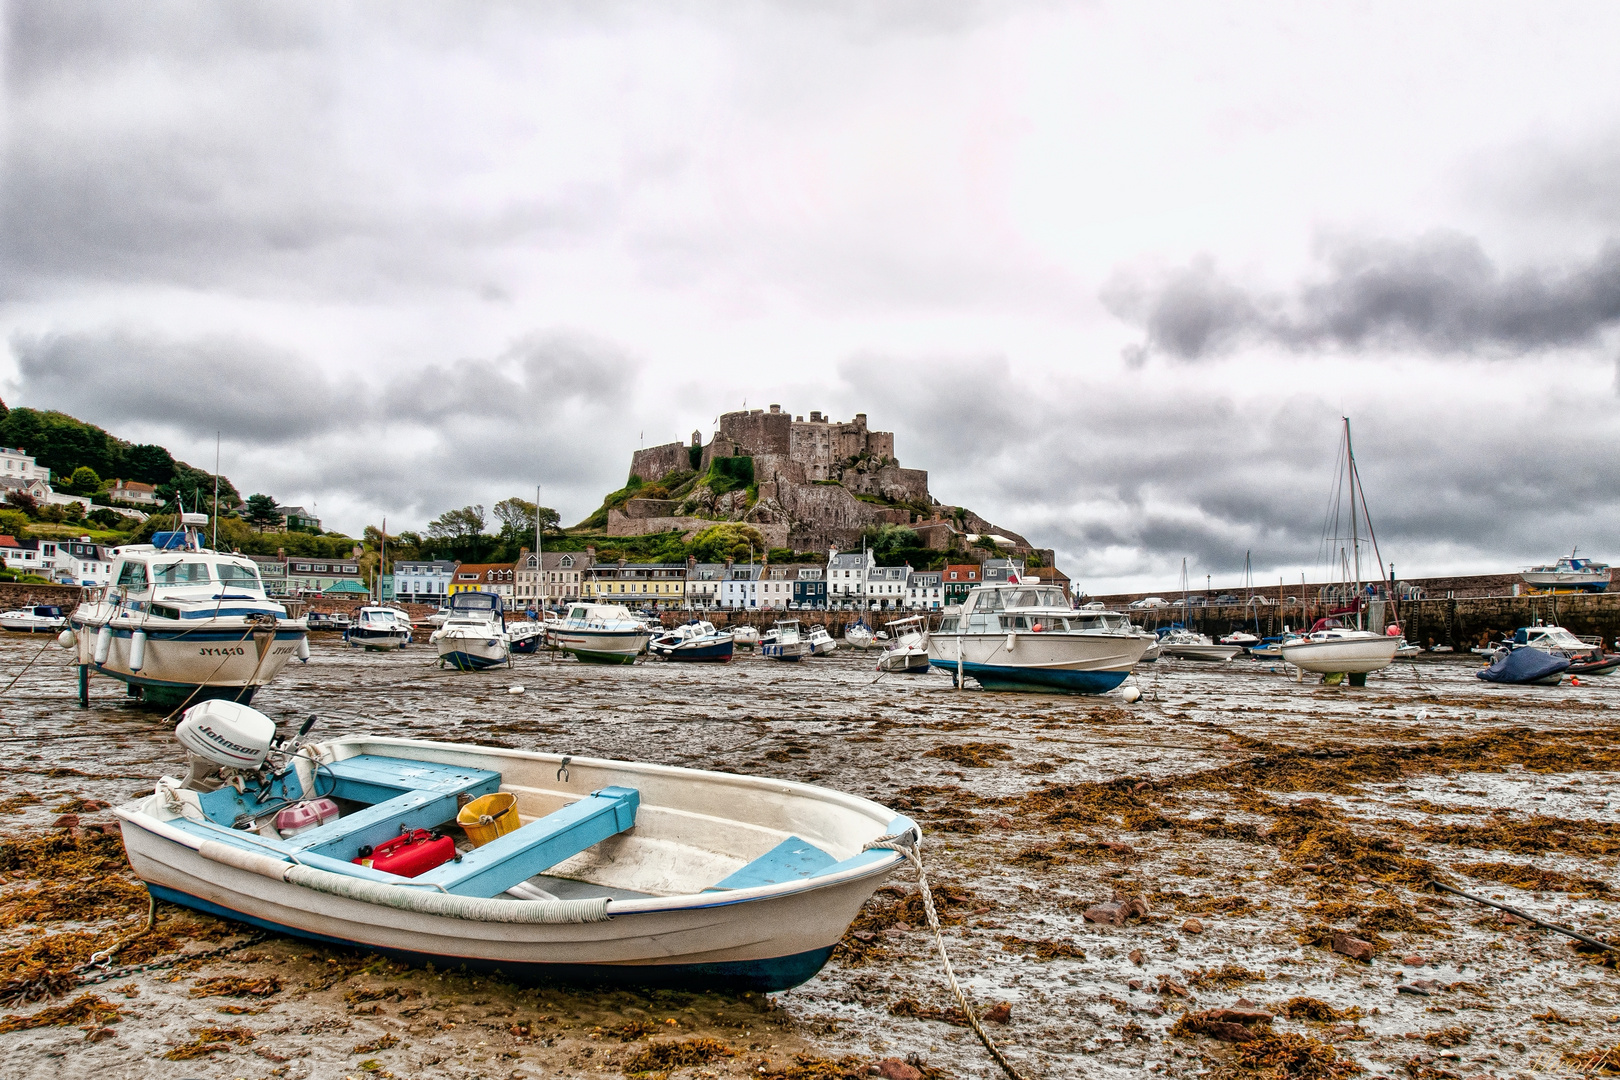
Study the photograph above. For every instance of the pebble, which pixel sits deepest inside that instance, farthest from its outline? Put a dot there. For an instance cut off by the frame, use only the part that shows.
(1192, 926)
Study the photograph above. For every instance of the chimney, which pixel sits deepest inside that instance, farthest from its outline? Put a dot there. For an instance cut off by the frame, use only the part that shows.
(776, 408)
(691, 563)
(590, 553)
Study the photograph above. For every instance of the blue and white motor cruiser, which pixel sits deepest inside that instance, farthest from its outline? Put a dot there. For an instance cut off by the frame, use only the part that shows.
(474, 636)
(616, 871)
(1570, 573)
(694, 642)
(180, 622)
(1026, 637)
(34, 619)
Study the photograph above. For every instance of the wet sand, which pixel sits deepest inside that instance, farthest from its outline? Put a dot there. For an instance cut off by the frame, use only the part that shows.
(1277, 816)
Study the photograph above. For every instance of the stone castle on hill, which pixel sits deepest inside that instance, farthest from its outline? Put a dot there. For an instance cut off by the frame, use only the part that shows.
(820, 483)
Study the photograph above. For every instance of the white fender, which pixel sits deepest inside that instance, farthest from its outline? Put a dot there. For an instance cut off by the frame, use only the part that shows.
(1012, 639)
(104, 638)
(303, 648)
(137, 650)
(68, 639)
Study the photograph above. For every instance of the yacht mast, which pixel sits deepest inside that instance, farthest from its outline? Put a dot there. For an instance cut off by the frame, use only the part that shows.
(539, 560)
(1355, 541)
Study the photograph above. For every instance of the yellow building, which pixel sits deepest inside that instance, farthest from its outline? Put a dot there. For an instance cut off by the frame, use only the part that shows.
(484, 577)
(636, 584)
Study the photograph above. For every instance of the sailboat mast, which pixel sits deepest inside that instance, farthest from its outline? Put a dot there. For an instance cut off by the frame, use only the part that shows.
(539, 559)
(1355, 540)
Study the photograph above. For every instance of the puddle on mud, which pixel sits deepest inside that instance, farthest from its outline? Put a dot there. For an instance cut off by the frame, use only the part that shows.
(1197, 799)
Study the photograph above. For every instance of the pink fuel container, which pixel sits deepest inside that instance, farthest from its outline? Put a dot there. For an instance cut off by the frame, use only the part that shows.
(306, 815)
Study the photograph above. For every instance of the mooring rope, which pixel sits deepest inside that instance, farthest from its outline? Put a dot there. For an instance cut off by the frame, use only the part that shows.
(905, 844)
(26, 666)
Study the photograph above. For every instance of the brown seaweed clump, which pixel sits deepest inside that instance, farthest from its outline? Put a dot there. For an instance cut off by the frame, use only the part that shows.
(86, 1009)
(1041, 948)
(1225, 975)
(1309, 1008)
(1292, 1057)
(1534, 836)
(1599, 1062)
(236, 986)
(211, 1040)
(662, 1057)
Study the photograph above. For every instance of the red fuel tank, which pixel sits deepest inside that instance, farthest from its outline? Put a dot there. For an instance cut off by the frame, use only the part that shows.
(409, 854)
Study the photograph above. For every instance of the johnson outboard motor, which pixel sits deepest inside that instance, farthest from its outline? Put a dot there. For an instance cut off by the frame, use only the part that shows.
(223, 737)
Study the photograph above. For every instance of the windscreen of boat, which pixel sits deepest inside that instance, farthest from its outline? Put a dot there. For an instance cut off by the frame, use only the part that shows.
(132, 576)
(1101, 622)
(237, 576)
(180, 573)
(1035, 624)
(474, 603)
(1034, 597)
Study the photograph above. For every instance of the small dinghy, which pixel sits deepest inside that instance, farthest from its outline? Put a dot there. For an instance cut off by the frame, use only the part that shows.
(525, 637)
(1603, 665)
(538, 865)
(1526, 667)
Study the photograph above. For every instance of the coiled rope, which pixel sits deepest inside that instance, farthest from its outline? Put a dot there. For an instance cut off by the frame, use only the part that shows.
(905, 844)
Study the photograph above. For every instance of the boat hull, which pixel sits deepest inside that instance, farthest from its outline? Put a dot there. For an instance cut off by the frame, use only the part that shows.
(201, 663)
(1353, 656)
(1036, 680)
(466, 652)
(376, 640)
(1210, 654)
(602, 646)
(1053, 663)
(528, 644)
(714, 652)
(904, 661)
(664, 927)
(797, 650)
(33, 626)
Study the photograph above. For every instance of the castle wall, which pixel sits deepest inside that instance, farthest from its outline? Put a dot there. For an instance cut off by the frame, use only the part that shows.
(656, 462)
(759, 431)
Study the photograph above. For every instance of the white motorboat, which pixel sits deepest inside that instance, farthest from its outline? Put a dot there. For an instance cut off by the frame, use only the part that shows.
(1405, 650)
(181, 623)
(602, 634)
(908, 649)
(474, 636)
(694, 642)
(525, 637)
(1241, 638)
(612, 871)
(1188, 645)
(1580, 575)
(1586, 655)
(821, 643)
(34, 619)
(1026, 637)
(859, 636)
(438, 618)
(1339, 649)
(784, 642)
(379, 628)
(1151, 653)
(744, 636)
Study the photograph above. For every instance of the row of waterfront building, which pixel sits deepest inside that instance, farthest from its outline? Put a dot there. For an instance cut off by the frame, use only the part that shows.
(850, 579)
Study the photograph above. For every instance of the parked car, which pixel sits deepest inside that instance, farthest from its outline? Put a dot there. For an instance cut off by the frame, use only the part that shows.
(1226, 598)
(1149, 602)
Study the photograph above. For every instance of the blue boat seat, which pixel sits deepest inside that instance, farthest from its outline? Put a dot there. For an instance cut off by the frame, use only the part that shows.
(792, 860)
(541, 844)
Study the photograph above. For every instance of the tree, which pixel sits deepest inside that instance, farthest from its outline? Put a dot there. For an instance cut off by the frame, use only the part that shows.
(460, 524)
(262, 512)
(728, 540)
(887, 539)
(107, 519)
(22, 500)
(84, 481)
(517, 519)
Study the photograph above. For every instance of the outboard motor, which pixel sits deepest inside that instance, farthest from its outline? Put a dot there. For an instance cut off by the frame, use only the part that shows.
(223, 737)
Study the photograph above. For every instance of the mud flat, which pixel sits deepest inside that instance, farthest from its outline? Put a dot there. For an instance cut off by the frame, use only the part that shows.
(1226, 834)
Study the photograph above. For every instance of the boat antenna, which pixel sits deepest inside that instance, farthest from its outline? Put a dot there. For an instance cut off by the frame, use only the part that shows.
(216, 491)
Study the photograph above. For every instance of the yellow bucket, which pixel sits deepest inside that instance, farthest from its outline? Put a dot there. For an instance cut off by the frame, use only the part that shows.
(489, 816)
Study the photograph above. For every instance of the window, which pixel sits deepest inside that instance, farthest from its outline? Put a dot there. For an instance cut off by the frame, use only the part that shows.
(191, 573)
(233, 574)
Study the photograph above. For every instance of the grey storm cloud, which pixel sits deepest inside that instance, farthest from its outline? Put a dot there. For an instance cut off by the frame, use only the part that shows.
(1166, 471)
(1439, 294)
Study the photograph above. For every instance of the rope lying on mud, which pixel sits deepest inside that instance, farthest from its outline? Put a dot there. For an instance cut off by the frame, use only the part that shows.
(1529, 918)
(26, 666)
(906, 845)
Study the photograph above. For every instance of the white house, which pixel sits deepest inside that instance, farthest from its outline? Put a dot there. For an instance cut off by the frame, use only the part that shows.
(133, 491)
(703, 581)
(846, 575)
(776, 586)
(549, 578)
(24, 555)
(739, 589)
(422, 582)
(81, 562)
(886, 587)
(16, 465)
(925, 590)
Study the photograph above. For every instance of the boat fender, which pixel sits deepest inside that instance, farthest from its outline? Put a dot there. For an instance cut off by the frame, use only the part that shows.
(137, 650)
(68, 639)
(1012, 639)
(103, 644)
(515, 689)
(303, 649)
(1131, 693)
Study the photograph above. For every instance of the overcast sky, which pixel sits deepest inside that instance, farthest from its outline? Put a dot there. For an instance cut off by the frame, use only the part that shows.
(1110, 272)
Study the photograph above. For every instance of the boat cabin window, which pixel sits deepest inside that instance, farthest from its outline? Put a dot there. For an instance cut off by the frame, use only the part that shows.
(989, 600)
(235, 574)
(981, 623)
(947, 625)
(132, 576)
(180, 573)
(1014, 622)
(1047, 624)
(577, 613)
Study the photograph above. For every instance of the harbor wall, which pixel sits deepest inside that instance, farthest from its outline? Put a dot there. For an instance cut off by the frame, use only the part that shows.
(14, 595)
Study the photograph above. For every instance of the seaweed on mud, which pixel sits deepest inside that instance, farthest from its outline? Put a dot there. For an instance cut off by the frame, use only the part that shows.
(16, 803)
(909, 1007)
(1041, 948)
(1115, 802)
(1322, 937)
(211, 1040)
(810, 1067)
(73, 899)
(1225, 975)
(86, 1009)
(63, 855)
(1205, 905)
(629, 1031)
(1288, 1056)
(1448, 1037)
(236, 986)
(661, 1057)
(381, 1042)
(374, 993)
(1385, 912)
(972, 755)
(1312, 832)
(1532, 837)
(865, 939)
(1309, 1008)
(1067, 851)
(1593, 955)
(1532, 878)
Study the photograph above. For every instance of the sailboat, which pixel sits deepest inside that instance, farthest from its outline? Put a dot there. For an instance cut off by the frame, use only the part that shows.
(1186, 644)
(1333, 648)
